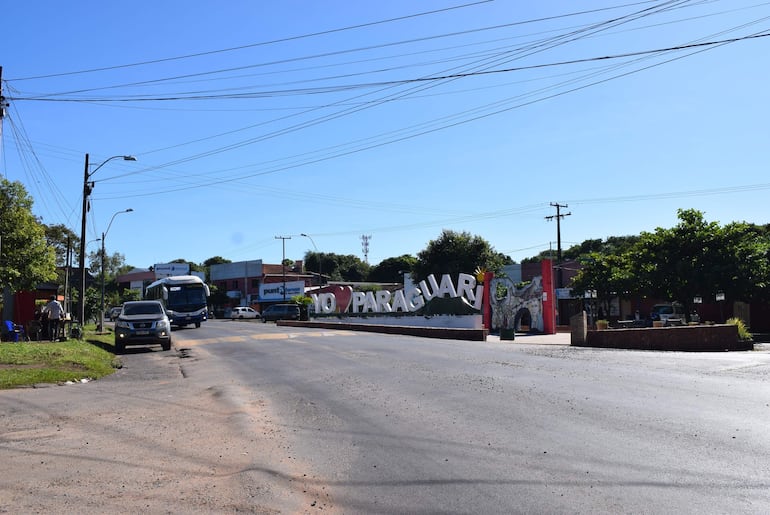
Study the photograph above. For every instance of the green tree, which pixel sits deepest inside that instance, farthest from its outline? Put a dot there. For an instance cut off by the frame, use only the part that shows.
(216, 260)
(194, 267)
(612, 245)
(113, 264)
(457, 252)
(693, 258)
(321, 262)
(681, 262)
(391, 270)
(26, 259)
(610, 275)
(61, 238)
(338, 267)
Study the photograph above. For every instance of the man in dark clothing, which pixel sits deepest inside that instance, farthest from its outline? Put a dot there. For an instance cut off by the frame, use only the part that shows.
(55, 313)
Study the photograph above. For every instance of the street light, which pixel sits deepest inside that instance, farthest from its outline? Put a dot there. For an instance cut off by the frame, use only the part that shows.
(320, 275)
(104, 236)
(87, 187)
(283, 262)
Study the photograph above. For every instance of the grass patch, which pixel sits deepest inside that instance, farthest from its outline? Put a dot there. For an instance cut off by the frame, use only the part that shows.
(28, 363)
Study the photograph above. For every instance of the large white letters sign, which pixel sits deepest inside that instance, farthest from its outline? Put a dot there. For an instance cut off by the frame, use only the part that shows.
(404, 301)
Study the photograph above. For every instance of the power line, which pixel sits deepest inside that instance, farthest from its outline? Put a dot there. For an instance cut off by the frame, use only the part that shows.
(331, 31)
(252, 45)
(347, 87)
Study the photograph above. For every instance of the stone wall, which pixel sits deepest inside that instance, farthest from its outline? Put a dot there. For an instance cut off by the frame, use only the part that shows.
(701, 338)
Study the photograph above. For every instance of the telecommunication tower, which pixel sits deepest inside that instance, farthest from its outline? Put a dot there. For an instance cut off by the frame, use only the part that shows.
(365, 247)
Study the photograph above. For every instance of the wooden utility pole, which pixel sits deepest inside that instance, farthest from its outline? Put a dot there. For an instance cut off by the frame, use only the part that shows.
(558, 216)
(283, 261)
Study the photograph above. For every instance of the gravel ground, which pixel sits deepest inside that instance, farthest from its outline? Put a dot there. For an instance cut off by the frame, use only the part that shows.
(162, 435)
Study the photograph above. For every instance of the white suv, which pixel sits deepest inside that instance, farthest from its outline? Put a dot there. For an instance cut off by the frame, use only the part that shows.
(244, 312)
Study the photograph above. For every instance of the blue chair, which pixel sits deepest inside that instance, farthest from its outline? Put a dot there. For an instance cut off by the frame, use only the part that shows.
(12, 332)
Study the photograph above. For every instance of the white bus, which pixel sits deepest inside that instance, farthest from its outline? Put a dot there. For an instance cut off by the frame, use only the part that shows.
(183, 296)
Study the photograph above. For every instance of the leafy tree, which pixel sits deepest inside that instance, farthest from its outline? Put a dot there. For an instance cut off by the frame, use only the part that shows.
(351, 268)
(194, 267)
(61, 237)
(609, 275)
(694, 258)
(338, 267)
(216, 260)
(458, 252)
(127, 295)
(321, 262)
(749, 247)
(218, 296)
(113, 264)
(391, 270)
(26, 259)
(681, 262)
(612, 245)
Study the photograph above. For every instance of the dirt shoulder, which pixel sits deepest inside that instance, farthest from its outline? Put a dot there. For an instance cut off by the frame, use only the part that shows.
(162, 435)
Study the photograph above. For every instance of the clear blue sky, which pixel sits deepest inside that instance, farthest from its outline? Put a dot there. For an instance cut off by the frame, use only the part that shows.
(251, 120)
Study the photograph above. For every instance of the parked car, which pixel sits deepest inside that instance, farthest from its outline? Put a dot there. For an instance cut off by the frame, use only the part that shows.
(142, 322)
(663, 312)
(281, 312)
(243, 312)
(114, 313)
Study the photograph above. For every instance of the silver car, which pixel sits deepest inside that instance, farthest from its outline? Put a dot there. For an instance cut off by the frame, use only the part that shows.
(142, 322)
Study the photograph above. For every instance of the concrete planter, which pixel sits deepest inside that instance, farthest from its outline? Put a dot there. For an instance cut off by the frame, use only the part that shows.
(507, 334)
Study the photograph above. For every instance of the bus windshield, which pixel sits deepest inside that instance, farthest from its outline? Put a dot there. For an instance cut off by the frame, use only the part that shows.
(186, 298)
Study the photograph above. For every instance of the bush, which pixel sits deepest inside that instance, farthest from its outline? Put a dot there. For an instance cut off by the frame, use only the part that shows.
(743, 332)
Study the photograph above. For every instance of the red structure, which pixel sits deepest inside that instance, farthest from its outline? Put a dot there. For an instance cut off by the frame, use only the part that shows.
(486, 308)
(549, 297)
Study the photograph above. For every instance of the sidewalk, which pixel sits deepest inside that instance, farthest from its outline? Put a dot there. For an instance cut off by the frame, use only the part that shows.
(535, 339)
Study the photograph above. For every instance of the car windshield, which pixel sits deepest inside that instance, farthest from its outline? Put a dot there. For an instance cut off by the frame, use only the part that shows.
(149, 308)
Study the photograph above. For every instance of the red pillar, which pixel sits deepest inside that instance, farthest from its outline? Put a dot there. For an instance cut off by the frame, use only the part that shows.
(549, 297)
(485, 305)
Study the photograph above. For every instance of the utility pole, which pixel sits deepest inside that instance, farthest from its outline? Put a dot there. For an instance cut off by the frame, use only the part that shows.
(283, 262)
(558, 216)
(3, 105)
(82, 257)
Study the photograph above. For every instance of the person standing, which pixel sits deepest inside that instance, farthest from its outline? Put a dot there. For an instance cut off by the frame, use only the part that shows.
(55, 313)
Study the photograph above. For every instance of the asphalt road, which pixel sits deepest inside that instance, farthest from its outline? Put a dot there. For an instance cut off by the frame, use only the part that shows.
(250, 417)
(389, 424)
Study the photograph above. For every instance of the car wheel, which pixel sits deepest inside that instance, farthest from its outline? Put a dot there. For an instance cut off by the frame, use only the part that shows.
(120, 347)
(166, 345)
(197, 324)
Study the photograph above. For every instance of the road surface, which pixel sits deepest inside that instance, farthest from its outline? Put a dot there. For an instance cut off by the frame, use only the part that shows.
(246, 416)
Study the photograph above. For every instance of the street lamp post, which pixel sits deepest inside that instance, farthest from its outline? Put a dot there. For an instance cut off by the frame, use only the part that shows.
(283, 262)
(87, 187)
(320, 274)
(104, 236)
